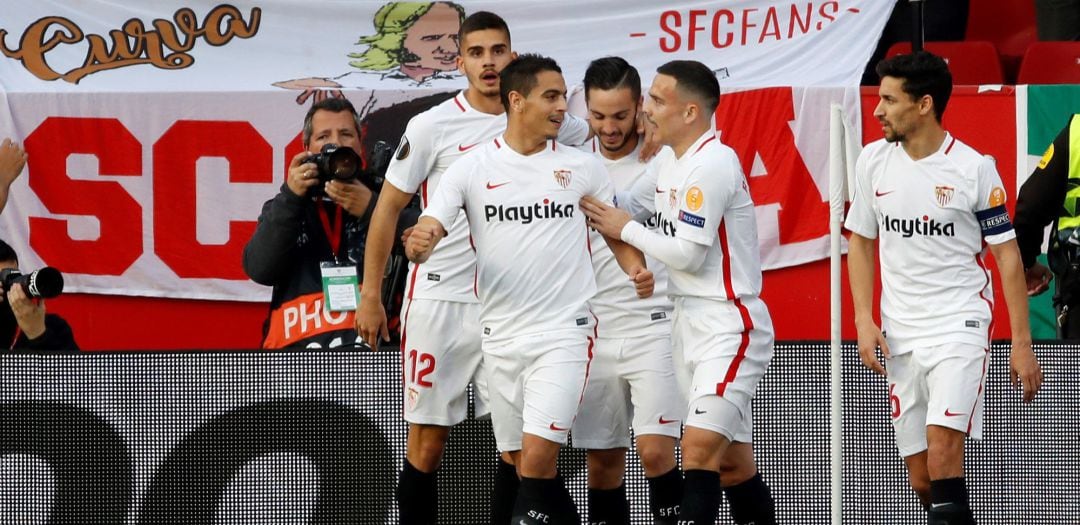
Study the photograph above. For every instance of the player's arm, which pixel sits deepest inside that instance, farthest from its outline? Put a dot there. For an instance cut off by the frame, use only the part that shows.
(861, 279)
(1024, 369)
(425, 236)
(632, 261)
(371, 316)
(680, 254)
(639, 199)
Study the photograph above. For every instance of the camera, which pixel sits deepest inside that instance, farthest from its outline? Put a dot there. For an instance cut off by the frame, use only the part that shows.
(335, 162)
(46, 282)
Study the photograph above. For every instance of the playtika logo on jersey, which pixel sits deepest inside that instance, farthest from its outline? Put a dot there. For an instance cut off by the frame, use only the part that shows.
(548, 209)
(923, 226)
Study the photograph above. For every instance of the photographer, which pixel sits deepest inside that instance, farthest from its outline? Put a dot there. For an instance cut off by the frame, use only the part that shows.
(1048, 197)
(309, 241)
(24, 325)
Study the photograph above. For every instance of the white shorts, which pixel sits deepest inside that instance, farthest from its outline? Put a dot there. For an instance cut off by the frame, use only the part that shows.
(629, 378)
(440, 355)
(721, 350)
(536, 383)
(940, 385)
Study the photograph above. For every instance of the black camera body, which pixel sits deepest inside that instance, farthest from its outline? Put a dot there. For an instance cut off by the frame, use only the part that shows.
(335, 162)
(46, 282)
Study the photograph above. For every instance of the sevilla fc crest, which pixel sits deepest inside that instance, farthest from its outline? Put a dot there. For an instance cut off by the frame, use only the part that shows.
(943, 194)
(563, 178)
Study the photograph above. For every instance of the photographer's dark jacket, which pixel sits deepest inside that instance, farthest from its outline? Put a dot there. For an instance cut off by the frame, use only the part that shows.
(1052, 195)
(285, 252)
(57, 336)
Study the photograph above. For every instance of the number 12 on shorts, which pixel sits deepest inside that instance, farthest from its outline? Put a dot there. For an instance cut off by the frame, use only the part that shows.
(417, 375)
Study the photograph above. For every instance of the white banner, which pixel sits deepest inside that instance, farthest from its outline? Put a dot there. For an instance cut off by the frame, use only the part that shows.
(206, 45)
(146, 180)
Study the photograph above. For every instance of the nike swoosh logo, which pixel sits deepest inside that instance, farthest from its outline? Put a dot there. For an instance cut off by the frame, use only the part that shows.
(557, 429)
(491, 186)
(463, 148)
(667, 421)
(954, 414)
(658, 190)
(883, 193)
(699, 411)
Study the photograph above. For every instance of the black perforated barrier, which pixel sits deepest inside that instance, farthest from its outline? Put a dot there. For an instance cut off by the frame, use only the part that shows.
(300, 437)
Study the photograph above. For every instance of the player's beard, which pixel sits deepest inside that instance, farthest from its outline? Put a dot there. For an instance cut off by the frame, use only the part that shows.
(627, 137)
(891, 134)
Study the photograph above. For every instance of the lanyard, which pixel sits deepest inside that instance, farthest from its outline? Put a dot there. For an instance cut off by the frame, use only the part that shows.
(333, 233)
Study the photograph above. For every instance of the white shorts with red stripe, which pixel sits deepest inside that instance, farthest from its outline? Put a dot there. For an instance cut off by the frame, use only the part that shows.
(630, 379)
(536, 382)
(940, 385)
(440, 356)
(721, 349)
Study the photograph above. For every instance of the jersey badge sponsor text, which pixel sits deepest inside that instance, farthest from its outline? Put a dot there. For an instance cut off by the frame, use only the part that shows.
(694, 198)
(563, 178)
(657, 316)
(696, 221)
(943, 195)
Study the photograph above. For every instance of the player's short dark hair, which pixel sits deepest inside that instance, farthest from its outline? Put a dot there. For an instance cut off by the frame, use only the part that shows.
(923, 73)
(694, 78)
(7, 253)
(480, 21)
(333, 105)
(520, 75)
(612, 73)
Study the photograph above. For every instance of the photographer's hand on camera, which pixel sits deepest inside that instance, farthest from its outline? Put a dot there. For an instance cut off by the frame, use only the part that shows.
(302, 175)
(29, 314)
(351, 195)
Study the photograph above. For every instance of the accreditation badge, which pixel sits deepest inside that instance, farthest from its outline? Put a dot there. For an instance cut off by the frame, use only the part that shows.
(341, 286)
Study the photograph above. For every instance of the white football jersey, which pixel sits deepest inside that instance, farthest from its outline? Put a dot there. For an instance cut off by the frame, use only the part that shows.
(620, 312)
(534, 272)
(433, 141)
(931, 218)
(703, 197)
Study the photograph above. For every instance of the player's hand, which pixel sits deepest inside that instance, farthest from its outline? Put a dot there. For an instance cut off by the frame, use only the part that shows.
(351, 195)
(1024, 370)
(1038, 279)
(405, 235)
(643, 280)
(870, 339)
(29, 314)
(371, 323)
(12, 160)
(605, 219)
(650, 146)
(420, 243)
(301, 177)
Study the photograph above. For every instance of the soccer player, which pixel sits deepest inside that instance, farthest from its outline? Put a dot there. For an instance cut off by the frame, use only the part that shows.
(534, 275)
(934, 204)
(440, 338)
(721, 330)
(632, 378)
